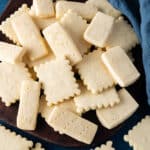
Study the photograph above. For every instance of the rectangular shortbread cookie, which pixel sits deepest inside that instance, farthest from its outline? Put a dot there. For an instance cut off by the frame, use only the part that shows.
(11, 77)
(46, 110)
(11, 141)
(139, 136)
(86, 100)
(57, 80)
(112, 117)
(69, 21)
(29, 36)
(72, 125)
(29, 105)
(120, 66)
(122, 35)
(107, 146)
(43, 8)
(87, 11)
(99, 29)
(11, 53)
(61, 43)
(105, 7)
(94, 73)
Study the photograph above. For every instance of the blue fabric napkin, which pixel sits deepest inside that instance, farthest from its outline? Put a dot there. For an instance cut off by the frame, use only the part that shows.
(137, 12)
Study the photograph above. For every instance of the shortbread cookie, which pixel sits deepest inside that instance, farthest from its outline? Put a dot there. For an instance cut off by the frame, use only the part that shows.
(107, 146)
(94, 73)
(122, 35)
(57, 80)
(112, 117)
(120, 66)
(38, 146)
(105, 7)
(46, 110)
(99, 29)
(66, 122)
(87, 11)
(69, 21)
(11, 53)
(6, 26)
(11, 77)
(29, 105)
(11, 141)
(61, 43)
(87, 101)
(29, 36)
(139, 137)
(44, 8)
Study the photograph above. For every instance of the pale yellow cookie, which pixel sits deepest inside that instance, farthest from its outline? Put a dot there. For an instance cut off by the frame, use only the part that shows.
(122, 35)
(6, 26)
(112, 117)
(29, 36)
(99, 29)
(44, 8)
(105, 7)
(94, 73)
(61, 43)
(69, 21)
(11, 77)
(57, 80)
(29, 105)
(120, 66)
(87, 11)
(87, 101)
(66, 122)
(11, 53)
(11, 141)
(139, 137)
(107, 146)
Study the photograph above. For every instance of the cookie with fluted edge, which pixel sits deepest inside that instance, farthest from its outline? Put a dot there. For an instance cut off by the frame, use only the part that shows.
(57, 80)
(87, 101)
(107, 146)
(138, 137)
(105, 7)
(94, 73)
(122, 35)
(11, 77)
(10, 140)
(87, 11)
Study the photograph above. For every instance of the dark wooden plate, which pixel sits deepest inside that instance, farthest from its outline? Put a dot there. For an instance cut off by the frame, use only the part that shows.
(43, 131)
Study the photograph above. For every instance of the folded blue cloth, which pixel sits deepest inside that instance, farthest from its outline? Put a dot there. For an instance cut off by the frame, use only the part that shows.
(137, 12)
